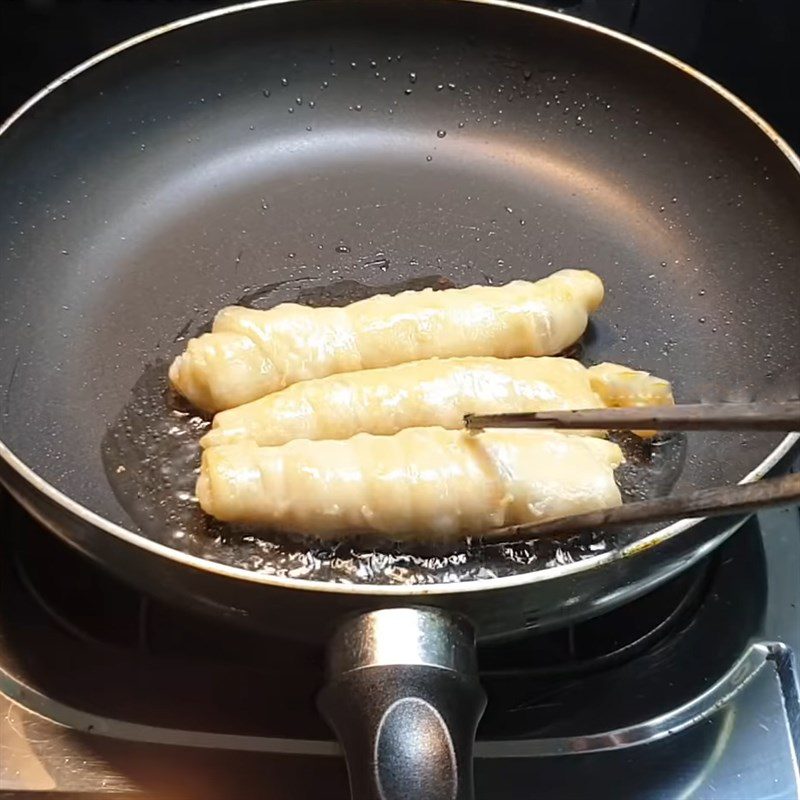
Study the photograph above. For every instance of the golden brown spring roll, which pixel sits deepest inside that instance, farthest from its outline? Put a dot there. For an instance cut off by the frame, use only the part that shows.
(623, 387)
(250, 353)
(420, 483)
(431, 392)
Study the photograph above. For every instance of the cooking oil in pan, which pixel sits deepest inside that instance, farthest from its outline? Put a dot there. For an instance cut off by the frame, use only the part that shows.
(152, 459)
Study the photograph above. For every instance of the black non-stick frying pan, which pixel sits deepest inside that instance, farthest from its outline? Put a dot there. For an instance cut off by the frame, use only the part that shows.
(318, 150)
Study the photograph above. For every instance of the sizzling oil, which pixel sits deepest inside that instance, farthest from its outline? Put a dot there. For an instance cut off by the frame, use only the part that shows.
(152, 458)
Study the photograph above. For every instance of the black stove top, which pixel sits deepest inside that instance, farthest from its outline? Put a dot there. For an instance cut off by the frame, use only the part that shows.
(690, 691)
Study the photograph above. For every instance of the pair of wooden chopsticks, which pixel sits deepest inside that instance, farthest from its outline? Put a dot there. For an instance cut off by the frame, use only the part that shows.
(697, 417)
(722, 501)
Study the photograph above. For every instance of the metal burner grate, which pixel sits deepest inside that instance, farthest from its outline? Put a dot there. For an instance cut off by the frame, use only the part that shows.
(89, 605)
(606, 641)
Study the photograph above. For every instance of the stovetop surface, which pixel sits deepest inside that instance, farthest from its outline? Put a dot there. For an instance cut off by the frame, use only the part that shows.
(690, 692)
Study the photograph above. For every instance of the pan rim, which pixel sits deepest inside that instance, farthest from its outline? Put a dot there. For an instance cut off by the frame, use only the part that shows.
(387, 590)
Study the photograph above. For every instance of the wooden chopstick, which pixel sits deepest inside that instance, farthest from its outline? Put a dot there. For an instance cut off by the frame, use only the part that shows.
(697, 417)
(721, 501)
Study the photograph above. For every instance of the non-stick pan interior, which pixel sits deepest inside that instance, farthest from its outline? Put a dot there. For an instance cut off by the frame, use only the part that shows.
(312, 143)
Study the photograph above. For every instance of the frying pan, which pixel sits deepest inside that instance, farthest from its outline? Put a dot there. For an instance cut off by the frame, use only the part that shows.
(311, 149)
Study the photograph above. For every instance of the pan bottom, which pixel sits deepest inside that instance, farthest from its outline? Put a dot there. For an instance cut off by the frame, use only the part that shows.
(151, 455)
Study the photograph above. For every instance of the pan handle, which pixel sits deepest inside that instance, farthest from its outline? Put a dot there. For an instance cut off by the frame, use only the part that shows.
(403, 696)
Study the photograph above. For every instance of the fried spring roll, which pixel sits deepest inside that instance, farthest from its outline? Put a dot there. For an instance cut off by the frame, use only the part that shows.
(421, 483)
(623, 387)
(431, 392)
(250, 353)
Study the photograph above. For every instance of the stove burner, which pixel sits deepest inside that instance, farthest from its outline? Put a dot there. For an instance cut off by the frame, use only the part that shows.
(605, 641)
(632, 663)
(90, 605)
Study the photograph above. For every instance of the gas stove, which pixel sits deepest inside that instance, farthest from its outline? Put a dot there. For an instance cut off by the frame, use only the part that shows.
(691, 691)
